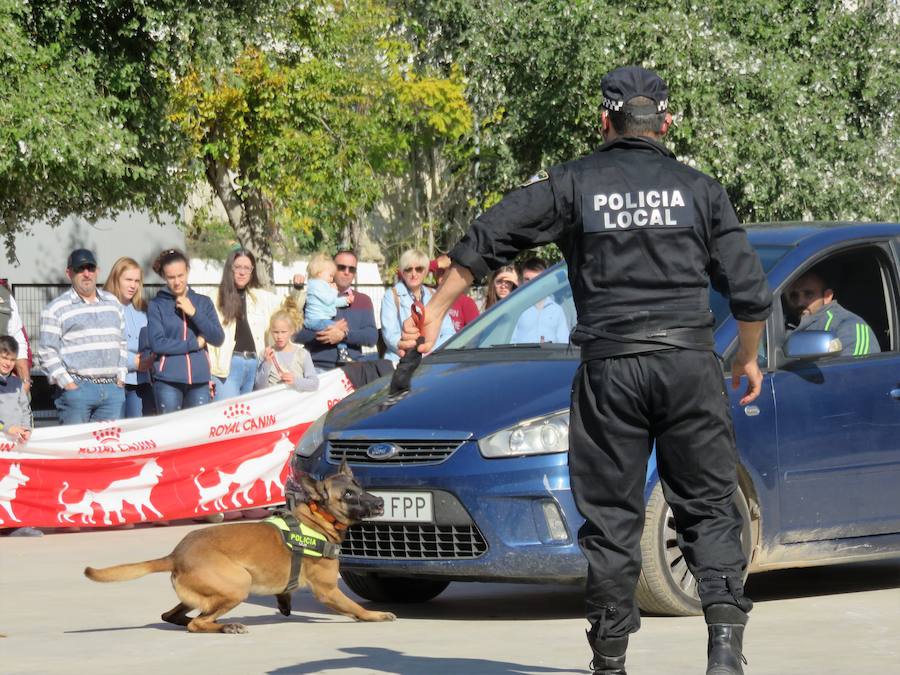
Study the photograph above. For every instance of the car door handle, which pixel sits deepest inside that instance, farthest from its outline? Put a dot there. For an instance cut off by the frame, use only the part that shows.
(895, 393)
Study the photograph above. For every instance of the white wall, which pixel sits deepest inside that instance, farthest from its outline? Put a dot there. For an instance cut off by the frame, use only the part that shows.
(42, 252)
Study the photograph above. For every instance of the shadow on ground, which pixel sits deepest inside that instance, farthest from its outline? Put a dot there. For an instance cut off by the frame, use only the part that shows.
(248, 621)
(816, 581)
(469, 602)
(390, 662)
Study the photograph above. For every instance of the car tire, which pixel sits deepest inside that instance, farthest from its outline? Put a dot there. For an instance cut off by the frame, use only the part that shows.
(666, 585)
(393, 589)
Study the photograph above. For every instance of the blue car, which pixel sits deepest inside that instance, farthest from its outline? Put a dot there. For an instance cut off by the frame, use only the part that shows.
(472, 462)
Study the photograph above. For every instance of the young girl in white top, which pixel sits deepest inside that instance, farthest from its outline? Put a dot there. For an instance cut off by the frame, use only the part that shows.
(286, 362)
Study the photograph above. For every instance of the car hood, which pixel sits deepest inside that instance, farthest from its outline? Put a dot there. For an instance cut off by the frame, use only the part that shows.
(471, 397)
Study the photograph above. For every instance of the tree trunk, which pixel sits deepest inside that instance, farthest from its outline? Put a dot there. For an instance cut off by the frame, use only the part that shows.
(256, 233)
(250, 216)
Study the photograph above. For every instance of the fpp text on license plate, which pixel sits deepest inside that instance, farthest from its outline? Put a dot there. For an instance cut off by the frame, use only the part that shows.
(406, 507)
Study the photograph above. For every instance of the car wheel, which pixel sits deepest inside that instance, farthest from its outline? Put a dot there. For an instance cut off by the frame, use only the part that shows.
(666, 585)
(393, 589)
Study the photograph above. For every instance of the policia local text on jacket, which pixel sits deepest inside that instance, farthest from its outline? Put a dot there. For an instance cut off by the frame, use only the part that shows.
(643, 236)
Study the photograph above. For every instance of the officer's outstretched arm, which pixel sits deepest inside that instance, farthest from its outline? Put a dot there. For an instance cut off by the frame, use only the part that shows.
(745, 361)
(456, 281)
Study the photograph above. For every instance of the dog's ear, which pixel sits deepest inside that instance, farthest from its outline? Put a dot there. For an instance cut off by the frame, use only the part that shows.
(310, 488)
(344, 468)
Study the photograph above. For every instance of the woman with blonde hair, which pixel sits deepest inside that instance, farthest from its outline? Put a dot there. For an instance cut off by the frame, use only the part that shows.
(503, 281)
(397, 304)
(126, 282)
(284, 361)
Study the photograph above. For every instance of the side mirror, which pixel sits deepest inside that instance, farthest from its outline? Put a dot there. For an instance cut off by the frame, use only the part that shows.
(810, 344)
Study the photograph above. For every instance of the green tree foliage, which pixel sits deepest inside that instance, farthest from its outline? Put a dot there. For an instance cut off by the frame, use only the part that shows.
(791, 104)
(84, 91)
(299, 135)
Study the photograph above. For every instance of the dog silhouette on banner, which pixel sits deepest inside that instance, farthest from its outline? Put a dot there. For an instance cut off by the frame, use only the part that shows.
(135, 491)
(9, 484)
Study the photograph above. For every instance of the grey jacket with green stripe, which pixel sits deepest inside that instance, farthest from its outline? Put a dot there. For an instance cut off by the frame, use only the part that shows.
(857, 338)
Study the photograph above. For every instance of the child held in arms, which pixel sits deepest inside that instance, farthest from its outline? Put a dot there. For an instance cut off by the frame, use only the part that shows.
(322, 300)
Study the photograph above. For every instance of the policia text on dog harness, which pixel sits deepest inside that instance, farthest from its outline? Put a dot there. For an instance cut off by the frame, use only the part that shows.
(301, 540)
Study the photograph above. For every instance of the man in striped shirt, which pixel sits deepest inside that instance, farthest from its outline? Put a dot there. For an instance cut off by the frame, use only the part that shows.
(812, 303)
(82, 346)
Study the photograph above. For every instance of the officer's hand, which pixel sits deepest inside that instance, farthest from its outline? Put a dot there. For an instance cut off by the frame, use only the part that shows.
(410, 333)
(744, 365)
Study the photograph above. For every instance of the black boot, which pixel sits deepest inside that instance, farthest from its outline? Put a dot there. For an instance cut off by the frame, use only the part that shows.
(725, 624)
(609, 655)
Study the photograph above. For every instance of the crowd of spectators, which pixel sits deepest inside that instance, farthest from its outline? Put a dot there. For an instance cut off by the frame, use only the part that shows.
(113, 354)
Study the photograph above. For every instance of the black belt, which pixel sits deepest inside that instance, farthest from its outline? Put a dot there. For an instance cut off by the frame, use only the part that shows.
(245, 355)
(601, 344)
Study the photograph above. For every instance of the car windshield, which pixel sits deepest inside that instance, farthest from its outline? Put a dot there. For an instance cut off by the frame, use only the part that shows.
(512, 321)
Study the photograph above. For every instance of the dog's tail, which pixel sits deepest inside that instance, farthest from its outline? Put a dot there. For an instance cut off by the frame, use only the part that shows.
(130, 571)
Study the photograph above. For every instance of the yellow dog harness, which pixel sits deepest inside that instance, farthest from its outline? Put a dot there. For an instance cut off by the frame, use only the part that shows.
(301, 540)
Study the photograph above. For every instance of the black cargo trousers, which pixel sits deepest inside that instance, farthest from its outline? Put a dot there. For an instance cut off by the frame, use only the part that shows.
(620, 405)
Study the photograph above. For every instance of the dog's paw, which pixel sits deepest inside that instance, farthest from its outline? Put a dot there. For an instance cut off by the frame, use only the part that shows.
(234, 628)
(381, 616)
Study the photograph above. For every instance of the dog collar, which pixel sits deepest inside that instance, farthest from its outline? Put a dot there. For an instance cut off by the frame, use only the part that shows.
(315, 508)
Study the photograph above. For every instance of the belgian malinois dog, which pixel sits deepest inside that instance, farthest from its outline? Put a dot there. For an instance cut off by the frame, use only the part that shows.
(216, 568)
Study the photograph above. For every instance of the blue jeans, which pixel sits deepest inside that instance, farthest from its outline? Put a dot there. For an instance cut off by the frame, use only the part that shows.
(322, 324)
(139, 400)
(172, 396)
(240, 378)
(90, 402)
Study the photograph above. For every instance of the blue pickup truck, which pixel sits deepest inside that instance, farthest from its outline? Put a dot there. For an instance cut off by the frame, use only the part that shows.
(472, 463)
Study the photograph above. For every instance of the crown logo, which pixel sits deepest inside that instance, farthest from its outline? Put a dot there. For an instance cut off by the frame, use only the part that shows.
(107, 435)
(237, 410)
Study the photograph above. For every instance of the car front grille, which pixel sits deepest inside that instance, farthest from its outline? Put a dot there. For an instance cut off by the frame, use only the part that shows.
(413, 541)
(409, 452)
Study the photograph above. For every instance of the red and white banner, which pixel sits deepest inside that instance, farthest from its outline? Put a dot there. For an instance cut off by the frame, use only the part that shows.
(218, 457)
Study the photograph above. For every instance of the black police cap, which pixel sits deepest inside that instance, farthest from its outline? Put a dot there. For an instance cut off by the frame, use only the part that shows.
(624, 84)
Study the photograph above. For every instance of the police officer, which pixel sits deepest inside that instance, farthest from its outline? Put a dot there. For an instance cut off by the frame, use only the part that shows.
(643, 236)
(811, 301)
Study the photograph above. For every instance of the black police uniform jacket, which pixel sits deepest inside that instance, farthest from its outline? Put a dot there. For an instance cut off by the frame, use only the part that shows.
(643, 236)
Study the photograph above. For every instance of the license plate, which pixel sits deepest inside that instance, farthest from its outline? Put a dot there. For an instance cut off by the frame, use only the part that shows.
(406, 507)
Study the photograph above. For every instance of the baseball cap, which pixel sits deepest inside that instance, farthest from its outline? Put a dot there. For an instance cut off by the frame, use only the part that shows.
(623, 84)
(79, 258)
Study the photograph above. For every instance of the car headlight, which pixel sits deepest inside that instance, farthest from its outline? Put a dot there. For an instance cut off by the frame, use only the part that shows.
(312, 438)
(538, 436)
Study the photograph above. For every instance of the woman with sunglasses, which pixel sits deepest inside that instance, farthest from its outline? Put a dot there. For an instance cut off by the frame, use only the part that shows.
(244, 310)
(503, 281)
(397, 305)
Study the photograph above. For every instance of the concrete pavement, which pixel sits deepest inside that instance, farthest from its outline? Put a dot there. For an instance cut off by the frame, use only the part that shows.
(825, 621)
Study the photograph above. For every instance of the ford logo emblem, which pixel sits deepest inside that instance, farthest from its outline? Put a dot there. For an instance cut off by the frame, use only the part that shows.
(382, 450)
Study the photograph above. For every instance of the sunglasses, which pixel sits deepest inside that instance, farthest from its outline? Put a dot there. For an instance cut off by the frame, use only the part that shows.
(88, 267)
(418, 270)
(347, 268)
(505, 282)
